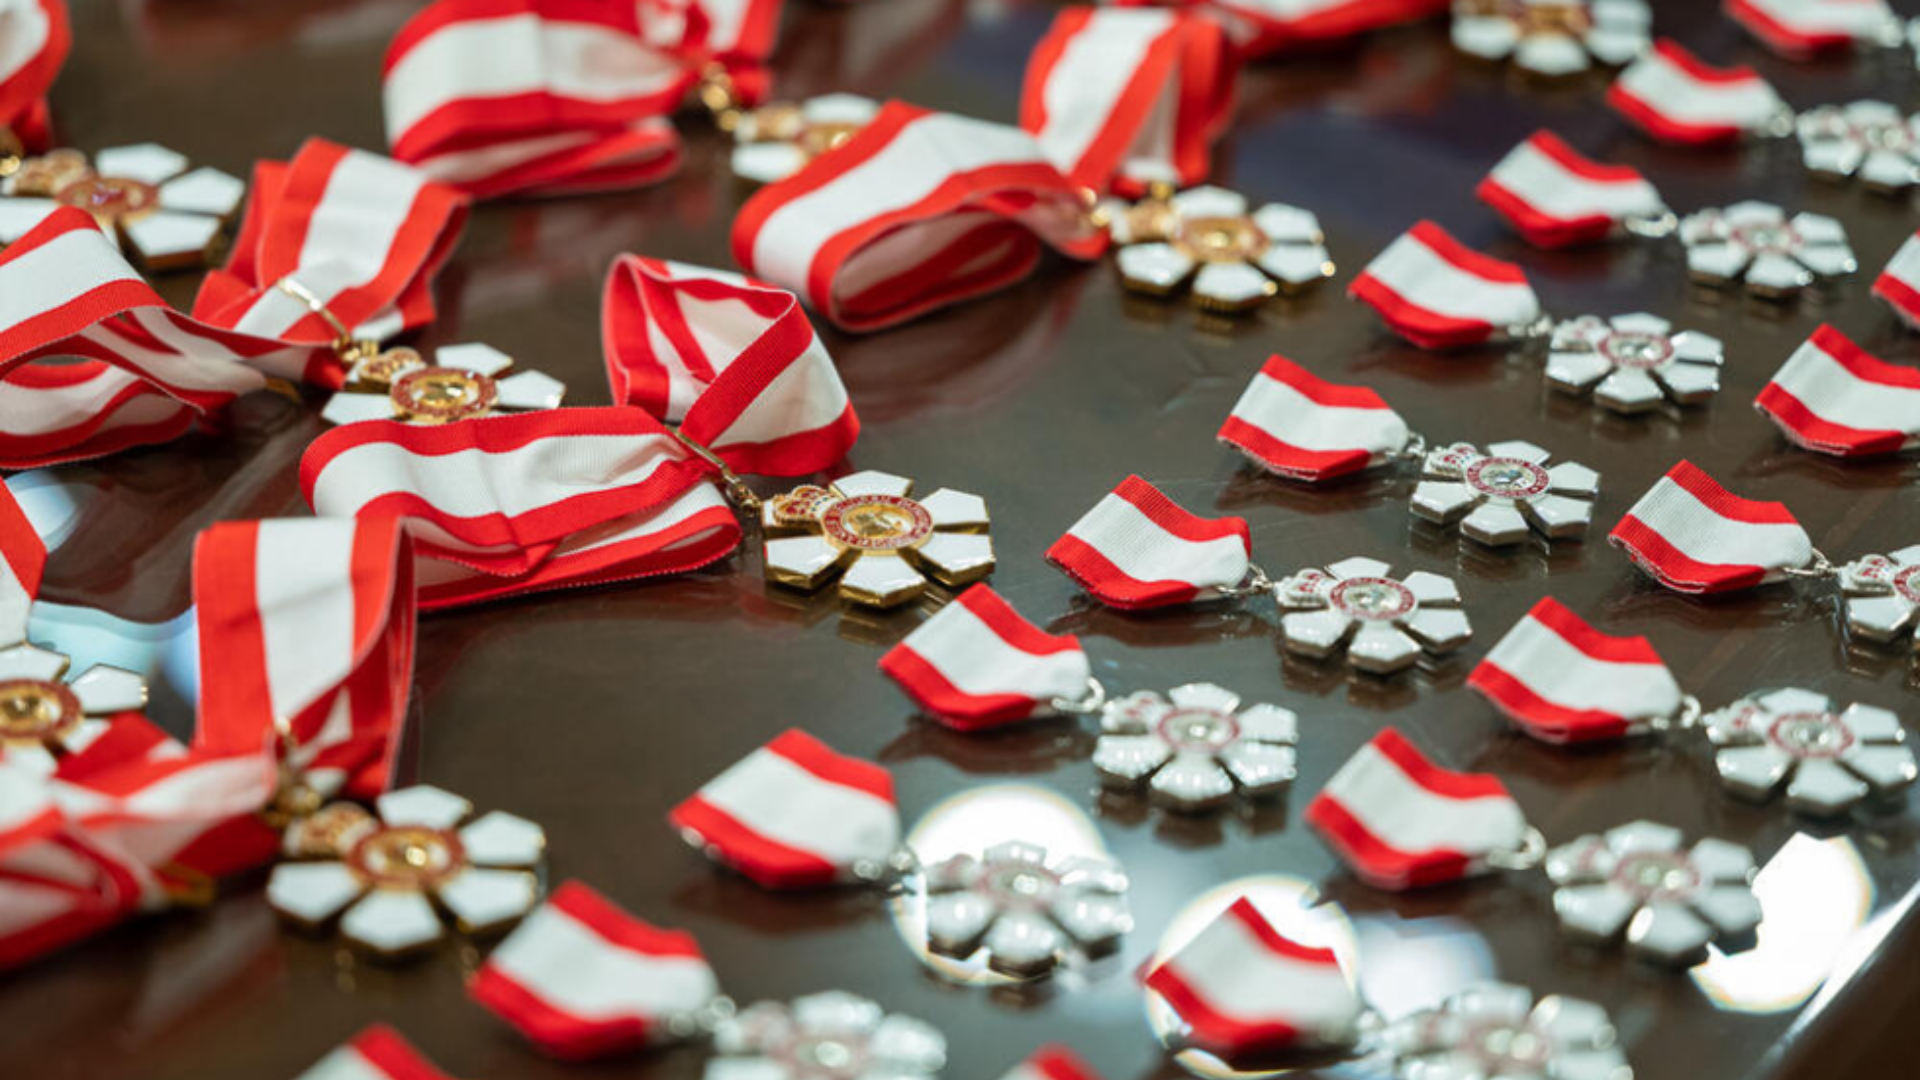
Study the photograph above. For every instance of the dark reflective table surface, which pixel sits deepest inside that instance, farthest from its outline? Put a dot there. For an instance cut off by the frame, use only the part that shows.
(594, 711)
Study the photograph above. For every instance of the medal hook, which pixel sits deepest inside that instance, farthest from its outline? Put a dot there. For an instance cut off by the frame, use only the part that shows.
(717, 94)
(1415, 449)
(1094, 701)
(1819, 567)
(1657, 227)
(737, 489)
(346, 347)
(1687, 718)
(1254, 584)
(1531, 853)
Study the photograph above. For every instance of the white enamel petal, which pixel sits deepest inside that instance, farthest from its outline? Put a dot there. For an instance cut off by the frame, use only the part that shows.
(953, 509)
(1382, 649)
(1359, 566)
(874, 482)
(166, 235)
(1698, 347)
(1442, 629)
(958, 556)
(1888, 169)
(1314, 633)
(1442, 501)
(804, 557)
(204, 191)
(312, 893)
(388, 921)
(1495, 525)
(1819, 229)
(1573, 1023)
(1156, 268)
(1752, 771)
(1794, 699)
(1204, 696)
(502, 839)
(486, 900)
(1617, 46)
(1209, 202)
(1596, 911)
(1871, 724)
(1431, 588)
(1716, 263)
(104, 689)
(1490, 37)
(19, 216)
(423, 804)
(149, 163)
(1831, 157)
(1232, 285)
(839, 109)
(1560, 517)
(1126, 760)
(531, 390)
(1823, 787)
(350, 408)
(881, 579)
(1731, 909)
(1773, 275)
(956, 920)
(1285, 224)
(1515, 448)
(910, 1049)
(26, 661)
(1095, 919)
(1551, 54)
(1259, 768)
(1629, 390)
(1297, 264)
(767, 162)
(1828, 260)
(1690, 383)
(475, 356)
(1023, 943)
(1191, 782)
(1268, 723)
(1887, 768)
(1668, 932)
(1575, 371)
(1879, 618)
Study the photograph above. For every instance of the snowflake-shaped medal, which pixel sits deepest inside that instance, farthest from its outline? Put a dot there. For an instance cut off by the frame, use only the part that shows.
(1385, 623)
(778, 140)
(464, 382)
(1869, 139)
(389, 876)
(1494, 1031)
(1633, 363)
(44, 716)
(1883, 594)
(1027, 913)
(827, 1036)
(1553, 37)
(1755, 242)
(1829, 762)
(163, 214)
(1498, 496)
(883, 545)
(1192, 749)
(1670, 901)
(1236, 260)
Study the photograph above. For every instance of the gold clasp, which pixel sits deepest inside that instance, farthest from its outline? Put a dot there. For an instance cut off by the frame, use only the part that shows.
(349, 349)
(737, 489)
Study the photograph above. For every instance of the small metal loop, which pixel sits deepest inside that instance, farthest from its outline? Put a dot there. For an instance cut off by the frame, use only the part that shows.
(1533, 331)
(1089, 705)
(1658, 227)
(1686, 719)
(1255, 583)
(346, 347)
(1820, 567)
(1782, 123)
(1531, 853)
(1416, 447)
(737, 489)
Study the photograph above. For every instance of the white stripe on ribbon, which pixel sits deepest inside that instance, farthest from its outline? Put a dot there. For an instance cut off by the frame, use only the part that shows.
(572, 968)
(1550, 188)
(1834, 394)
(1406, 816)
(977, 661)
(1092, 72)
(1556, 670)
(1707, 537)
(1669, 90)
(1424, 278)
(1292, 417)
(1142, 550)
(782, 802)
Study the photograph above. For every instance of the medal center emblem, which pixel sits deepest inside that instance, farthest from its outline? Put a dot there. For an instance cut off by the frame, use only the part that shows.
(1885, 136)
(442, 395)
(1811, 735)
(44, 176)
(1907, 584)
(877, 523)
(1198, 730)
(1372, 599)
(1638, 351)
(1222, 239)
(817, 139)
(1511, 1051)
(1022, 885)
(1774, 238)
(37, 709)
(1506, 478)
(828, 1058)
(1652, 875)
(111, 199)
(387, 365)
(411, 857)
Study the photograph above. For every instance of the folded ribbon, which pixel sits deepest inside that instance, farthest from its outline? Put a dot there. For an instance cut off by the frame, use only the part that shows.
(34, 39)
(1261, 27)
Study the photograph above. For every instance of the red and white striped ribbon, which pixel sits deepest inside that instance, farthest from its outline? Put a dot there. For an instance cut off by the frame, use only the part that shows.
(733, 361)
(1676, 98)
(1293, 423)
(505, 505)
(93, 361)
(917, 211)
(1261, 27)
(795, 815)
(1834, 397)
(1899, 283)
(1561, 681)
(359, 233)
(977, 664)
(56, 885)
(34, 39)
(550, 97)
(581, 979)
(1245, 991)
(1554, 197)
(1801, 29)
(1052, 1063)
(1399, 821)
(23, 562)
(1122, 98)
(307, 626)
(1440, 294)
(378, 1053)
(1138, 549)
(1694, 536)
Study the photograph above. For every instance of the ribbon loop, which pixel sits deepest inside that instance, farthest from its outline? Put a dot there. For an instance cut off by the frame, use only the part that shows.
(1694, 536)
(334, 238)
(978, 664)
(1439, 294)
(917, 211)
(1124, 98)
(1554, 197)
(1676, 98)
(23, 561)
(36, 37)
(1834, 397)
(1138, 549)
(1561, 681)
(1303, 427)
